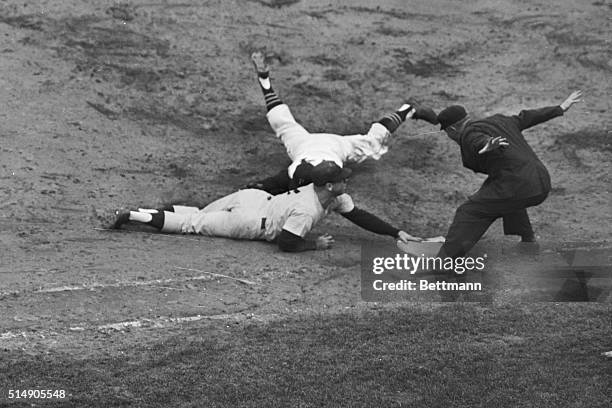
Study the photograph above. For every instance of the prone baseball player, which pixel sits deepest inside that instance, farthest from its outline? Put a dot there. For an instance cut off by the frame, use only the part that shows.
(254, 214)
(306, 149)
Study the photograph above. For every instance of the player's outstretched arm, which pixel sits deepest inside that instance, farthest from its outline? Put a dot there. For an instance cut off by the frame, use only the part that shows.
(574, 98)
(372, 223)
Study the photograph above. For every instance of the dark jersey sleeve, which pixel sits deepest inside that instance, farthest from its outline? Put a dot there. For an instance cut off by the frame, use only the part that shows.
(288, 242)
(529, 118)
(474, 141)
(370, 222)
(276, 184)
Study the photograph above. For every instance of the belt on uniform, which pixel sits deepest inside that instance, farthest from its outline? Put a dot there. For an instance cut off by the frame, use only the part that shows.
(263, 223)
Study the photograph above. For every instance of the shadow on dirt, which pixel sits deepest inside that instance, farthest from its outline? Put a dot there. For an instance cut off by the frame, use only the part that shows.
(252, 119)
(594, 52)
(27, 21)
(591, 139)
(415, 154)
(394, 13)
(276, 3)
(307, 90)
(430, 66)
(116, 55)
(122, 11)
(325, 61)
(596, 139)
(570, 39)
(392, 32)
(159, 114)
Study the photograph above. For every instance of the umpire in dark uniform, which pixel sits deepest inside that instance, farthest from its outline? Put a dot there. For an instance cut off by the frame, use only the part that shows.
(517, 179)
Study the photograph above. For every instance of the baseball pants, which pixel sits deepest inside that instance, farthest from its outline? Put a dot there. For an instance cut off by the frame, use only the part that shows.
(238, 215)
(473, 218)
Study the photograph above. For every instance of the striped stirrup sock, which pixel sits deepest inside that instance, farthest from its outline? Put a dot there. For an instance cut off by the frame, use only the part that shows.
(392, 120)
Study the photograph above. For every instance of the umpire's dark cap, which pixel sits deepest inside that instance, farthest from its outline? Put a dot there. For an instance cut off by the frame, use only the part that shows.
(328, 172)
(451, 115)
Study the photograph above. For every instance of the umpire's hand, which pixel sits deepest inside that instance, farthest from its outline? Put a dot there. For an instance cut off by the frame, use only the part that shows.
(574, 97)
(494, 143)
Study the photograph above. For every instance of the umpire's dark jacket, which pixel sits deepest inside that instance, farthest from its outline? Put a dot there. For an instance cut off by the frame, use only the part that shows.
(515, 172)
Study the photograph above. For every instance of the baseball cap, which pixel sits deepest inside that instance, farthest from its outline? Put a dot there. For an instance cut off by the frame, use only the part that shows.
(328, 172)
(451, 115)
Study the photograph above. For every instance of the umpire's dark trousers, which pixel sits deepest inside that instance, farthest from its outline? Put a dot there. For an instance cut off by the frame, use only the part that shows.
(474, 217)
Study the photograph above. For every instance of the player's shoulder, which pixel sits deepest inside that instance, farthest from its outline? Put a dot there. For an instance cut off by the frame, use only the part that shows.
(300, 198)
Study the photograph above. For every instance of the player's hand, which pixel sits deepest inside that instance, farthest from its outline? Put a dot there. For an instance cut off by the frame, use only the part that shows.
(494, 143)
(405, 237)
(575, 97)
(324, 241)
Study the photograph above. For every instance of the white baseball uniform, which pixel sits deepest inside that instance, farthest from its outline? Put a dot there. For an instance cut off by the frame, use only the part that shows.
(255, 214)
(317, 147)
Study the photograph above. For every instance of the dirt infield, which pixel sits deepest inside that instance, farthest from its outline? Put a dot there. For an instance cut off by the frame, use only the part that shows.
(109, 104)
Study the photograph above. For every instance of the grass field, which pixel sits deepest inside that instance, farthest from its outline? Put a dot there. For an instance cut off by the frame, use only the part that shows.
(460, 355)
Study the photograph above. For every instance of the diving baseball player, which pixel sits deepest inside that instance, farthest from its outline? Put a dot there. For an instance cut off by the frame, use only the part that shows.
(256, 215)
(307, 149)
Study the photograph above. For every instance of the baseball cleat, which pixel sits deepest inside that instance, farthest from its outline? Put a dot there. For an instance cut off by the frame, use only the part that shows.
(426, 114)
(121, 217)
(259, 61)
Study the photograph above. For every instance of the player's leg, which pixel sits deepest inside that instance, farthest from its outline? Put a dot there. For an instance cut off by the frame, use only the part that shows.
(152, 217)
(190, 220)
(391, 121)
(238, 224)
(279, 116)
(279, 182)
(263, 77)
(374, 144)
(237, 215)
